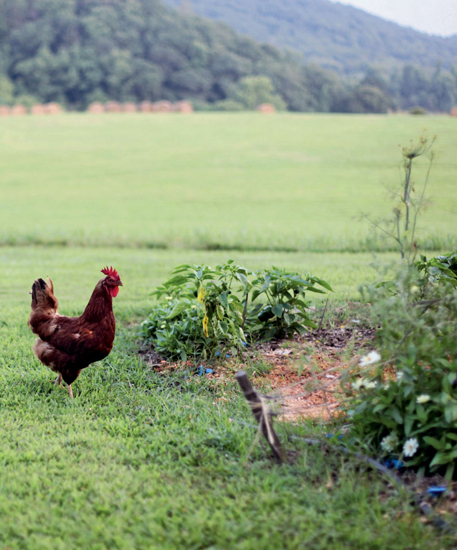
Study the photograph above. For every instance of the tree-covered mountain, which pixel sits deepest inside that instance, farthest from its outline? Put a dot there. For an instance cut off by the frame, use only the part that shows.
(333, 35)
(75, 52)
(78, 51)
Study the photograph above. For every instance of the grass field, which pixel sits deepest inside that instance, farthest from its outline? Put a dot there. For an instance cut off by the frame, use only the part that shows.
(139, 460)
(290, 182)
(145, 461)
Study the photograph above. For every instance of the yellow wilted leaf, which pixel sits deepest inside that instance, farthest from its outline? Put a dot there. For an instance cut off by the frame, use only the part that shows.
(205, 325)
(201, 294)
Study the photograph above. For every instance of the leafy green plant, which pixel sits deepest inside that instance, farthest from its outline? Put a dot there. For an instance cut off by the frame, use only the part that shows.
(438, 269)
(285, 310)
(203, 311)
(402, 399)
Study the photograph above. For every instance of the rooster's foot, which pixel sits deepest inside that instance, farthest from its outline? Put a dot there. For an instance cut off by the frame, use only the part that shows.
(58, 380)
(70, 391)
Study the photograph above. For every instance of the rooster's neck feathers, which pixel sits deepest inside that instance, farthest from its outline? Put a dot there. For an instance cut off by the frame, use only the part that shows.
(100, 304)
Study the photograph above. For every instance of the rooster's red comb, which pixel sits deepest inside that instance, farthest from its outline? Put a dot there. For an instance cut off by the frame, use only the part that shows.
(111, 272)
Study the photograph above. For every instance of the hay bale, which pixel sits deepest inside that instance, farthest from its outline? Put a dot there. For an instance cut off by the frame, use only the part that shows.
(161, 107)
(266, 108)
(129, 107)
(146, 107)
(454, 111)
(53, 109)
(38, 109)
(96, 107)
(183, 107)
(112, 107)
(4, 110)
(18, 110)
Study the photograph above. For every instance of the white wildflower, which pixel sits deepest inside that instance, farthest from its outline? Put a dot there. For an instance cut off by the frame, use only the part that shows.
(386, 386)
(357, 384)
(414, 289)
(389, 442)
(163, 325)
(193, 307)
(369, 359)
(423, 398)
(399, 376)
(410, 447)
(169, 298)
(370, 385)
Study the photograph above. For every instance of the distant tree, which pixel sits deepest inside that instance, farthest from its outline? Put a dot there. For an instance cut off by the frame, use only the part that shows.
(6, 91)
(364, 99)
(414, 87)
(251, 91)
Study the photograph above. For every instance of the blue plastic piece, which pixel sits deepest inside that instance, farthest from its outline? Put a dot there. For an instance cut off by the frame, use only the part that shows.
(200, 370)
(333, 435)
(436, 491)
(393, 464)
(218, 353)
(208, 371)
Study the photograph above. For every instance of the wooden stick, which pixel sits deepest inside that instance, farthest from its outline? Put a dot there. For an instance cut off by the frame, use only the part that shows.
(260, 414)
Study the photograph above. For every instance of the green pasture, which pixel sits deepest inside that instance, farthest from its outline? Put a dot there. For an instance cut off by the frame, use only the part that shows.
(246, 181)
(140, 460)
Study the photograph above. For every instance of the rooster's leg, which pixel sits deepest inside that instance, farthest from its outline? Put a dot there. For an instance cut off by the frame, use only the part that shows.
(70, 391)
(58, 380)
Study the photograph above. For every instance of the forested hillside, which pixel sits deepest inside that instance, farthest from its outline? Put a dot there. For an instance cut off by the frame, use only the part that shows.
(75, 52)
(333, 35)
(78, 51)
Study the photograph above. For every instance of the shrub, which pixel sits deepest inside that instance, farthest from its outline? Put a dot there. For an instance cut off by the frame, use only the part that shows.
(203, 311)
(405, 404)
(417, 111)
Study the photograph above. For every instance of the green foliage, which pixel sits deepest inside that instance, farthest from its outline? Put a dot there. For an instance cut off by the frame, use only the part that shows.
(365, 98)
(208, 309)
(406, 406)
(6, 91)
(134, 50)
(417, 111)
(138, 50)
(204, 314)
(27, 100)
(251, 91)
(284, 312)
(440, 269)
(228, 105)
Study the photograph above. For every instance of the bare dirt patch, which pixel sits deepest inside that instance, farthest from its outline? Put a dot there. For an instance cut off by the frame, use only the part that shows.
(302, 374)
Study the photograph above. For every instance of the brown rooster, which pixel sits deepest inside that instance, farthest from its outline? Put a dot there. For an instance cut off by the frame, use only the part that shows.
(69, 344)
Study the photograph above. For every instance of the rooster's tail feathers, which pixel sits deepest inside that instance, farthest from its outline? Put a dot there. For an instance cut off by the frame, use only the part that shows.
(43, 299)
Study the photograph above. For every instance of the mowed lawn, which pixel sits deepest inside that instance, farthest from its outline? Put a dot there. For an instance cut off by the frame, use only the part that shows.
(140, 460)
(288, 181)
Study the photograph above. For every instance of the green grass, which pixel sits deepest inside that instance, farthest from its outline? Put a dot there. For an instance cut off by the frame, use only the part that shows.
(141, 460)
(285, 182)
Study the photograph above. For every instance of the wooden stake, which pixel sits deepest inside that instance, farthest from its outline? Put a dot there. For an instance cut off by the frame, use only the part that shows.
(260, 414)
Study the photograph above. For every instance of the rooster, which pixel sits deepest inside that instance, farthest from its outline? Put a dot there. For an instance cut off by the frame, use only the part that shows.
(69, 344)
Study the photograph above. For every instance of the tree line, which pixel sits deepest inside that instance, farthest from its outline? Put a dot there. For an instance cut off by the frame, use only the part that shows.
(75, 52)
